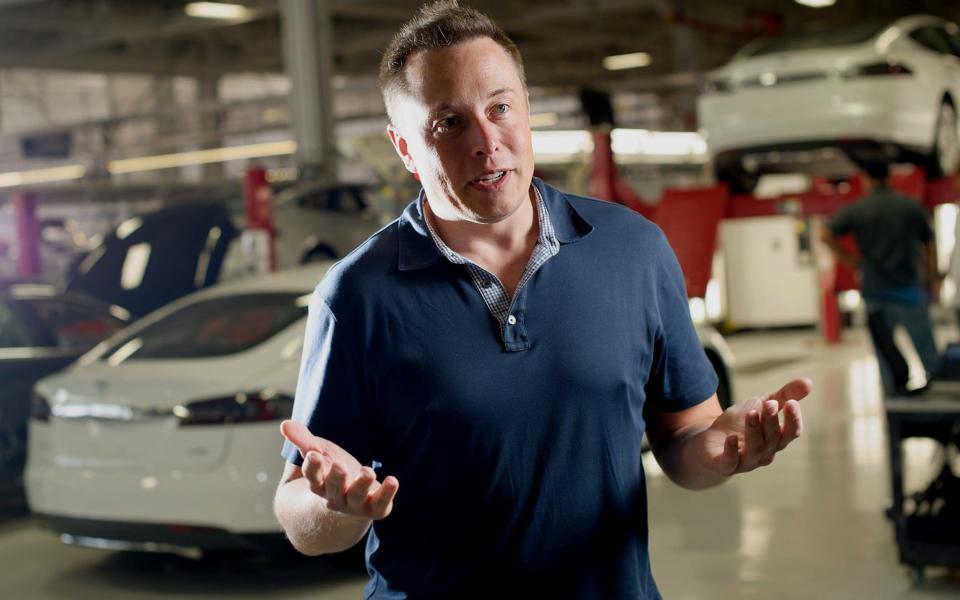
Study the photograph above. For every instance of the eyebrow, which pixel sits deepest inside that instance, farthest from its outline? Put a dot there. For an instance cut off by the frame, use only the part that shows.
(493, 94)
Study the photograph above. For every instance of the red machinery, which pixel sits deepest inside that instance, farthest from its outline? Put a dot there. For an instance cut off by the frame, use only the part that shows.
(690, 218)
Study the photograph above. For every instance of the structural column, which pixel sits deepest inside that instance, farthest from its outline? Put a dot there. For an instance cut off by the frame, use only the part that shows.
(210, 123)
(308, 56)
(28, 235)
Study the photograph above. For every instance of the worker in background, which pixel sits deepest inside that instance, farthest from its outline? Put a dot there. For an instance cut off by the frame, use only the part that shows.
(898, 271)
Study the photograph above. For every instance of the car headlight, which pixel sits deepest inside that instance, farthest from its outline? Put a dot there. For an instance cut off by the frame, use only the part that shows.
(39, 408)
(243, 407)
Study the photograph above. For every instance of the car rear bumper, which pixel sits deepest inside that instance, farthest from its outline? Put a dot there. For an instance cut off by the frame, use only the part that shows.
(184, 540)
(235, 495)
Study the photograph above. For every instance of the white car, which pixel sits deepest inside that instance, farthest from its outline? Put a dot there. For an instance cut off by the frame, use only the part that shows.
(895, 84)
(317, 222)
(165, 437)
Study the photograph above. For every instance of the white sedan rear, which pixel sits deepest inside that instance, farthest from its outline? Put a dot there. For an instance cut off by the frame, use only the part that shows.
(165, 437)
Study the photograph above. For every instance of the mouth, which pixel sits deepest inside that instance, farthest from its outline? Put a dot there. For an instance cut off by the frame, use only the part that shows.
(490, 180)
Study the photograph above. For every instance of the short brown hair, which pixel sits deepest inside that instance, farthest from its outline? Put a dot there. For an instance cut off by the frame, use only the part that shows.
(438, 25)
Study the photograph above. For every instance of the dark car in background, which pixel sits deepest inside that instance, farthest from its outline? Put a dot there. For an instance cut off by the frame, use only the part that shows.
(41, 332)
(153, 259)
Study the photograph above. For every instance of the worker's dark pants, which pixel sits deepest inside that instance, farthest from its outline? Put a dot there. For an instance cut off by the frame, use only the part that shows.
(882, 318)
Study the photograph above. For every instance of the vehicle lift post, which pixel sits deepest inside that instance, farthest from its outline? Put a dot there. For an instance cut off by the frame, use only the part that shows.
(258, 196)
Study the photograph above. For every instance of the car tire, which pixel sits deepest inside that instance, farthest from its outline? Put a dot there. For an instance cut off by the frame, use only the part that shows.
(945, 155)
(723, 380)
(737, 179)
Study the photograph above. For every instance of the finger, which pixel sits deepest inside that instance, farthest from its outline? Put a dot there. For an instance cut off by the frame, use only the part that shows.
(381, 501)
(794, 390)
(335, 484)
(300, 436)
(313, 472)
(770, 425)
(359, 489)
(792, 424)
(753, 441)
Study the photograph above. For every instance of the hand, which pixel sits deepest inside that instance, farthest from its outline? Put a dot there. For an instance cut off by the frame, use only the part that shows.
(337, 477)
(749, 434)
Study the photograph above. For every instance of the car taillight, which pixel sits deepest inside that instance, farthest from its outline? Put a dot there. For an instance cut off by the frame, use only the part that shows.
(883, 68)
(39, 408)
(249, 407)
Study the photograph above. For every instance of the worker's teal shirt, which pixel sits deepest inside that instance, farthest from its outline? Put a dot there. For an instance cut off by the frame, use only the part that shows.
(517, 447)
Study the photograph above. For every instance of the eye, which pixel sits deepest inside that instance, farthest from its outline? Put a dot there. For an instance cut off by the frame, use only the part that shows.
(501, 109)
(445, 124)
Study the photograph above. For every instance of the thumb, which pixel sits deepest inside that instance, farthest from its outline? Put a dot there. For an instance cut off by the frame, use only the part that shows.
(298, 435)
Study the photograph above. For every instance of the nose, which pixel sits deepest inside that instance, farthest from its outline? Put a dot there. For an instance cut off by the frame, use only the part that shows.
(486, 138)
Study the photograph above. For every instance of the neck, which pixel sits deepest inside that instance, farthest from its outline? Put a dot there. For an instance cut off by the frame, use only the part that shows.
(517, 234)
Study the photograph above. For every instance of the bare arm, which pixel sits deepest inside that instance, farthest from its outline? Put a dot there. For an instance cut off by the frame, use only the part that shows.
(839, 251)
(673, 437)
(328, 504)
(311, 526)
(701, 446)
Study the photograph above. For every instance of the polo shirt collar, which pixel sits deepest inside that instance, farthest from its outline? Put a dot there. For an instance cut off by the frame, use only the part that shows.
(417, 250)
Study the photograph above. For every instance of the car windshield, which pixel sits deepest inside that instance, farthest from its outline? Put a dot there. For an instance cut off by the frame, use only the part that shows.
(213, 327)
(827, 38)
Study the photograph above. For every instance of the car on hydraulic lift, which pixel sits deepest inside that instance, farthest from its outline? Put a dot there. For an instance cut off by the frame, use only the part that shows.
(782, 102)
(165, 437)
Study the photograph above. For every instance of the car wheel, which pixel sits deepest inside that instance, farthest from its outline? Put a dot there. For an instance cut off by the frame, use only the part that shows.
(738, 180)
(318, 254)
(946, 145)
(13, 452)
(723, 380)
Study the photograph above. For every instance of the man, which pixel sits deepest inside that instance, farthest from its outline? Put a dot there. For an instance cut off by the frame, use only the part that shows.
(477, 377)
(898, 268)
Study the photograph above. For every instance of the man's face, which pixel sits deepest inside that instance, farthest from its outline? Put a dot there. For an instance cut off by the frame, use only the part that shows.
(463, 126)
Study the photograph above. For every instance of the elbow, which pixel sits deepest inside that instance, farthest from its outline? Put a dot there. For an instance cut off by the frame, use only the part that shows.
(305, 548)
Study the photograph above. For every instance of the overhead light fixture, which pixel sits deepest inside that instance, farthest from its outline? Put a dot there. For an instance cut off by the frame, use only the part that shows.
(563, 146)
(200, 157)
(817, 3)
(35, 176)
(633, 60)
(217, 10)
(151, 163)
(658, 143)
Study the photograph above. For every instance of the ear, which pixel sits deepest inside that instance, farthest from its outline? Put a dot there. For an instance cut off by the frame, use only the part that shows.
(400, 145)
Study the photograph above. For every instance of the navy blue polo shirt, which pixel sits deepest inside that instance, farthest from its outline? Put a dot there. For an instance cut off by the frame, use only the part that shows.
(517, 447)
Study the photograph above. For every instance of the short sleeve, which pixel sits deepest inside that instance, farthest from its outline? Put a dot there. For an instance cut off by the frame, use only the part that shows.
(681, 375)
(330, 390)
